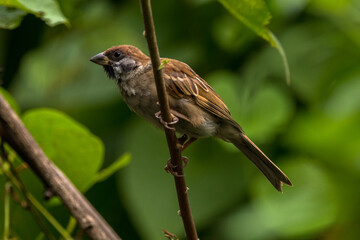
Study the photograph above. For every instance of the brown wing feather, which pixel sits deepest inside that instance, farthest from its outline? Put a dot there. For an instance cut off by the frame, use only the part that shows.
(185, 83)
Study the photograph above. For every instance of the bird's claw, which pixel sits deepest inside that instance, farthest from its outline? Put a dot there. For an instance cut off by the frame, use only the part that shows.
(166, 124)
(185, 160)
(171, 168)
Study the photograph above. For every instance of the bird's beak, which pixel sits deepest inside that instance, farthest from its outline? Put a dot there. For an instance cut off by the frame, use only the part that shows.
(101, 59)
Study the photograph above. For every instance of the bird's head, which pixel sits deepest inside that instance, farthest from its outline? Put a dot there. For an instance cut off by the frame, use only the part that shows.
(121, 62)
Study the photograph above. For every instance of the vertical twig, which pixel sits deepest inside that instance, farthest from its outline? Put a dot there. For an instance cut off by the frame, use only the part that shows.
(175, 153)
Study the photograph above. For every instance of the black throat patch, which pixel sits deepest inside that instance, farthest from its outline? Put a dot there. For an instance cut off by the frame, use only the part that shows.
(109, 71)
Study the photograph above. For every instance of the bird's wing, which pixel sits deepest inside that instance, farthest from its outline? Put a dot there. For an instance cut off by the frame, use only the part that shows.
(182, 82)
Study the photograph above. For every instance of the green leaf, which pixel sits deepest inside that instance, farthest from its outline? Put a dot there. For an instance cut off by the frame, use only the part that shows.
(10, 18)
(163, 63)
(121, 162)
(14, 4)
(48, 10)
(255, 15)
(72, 147)
(323, 136)
(269, 109)
(281, 51)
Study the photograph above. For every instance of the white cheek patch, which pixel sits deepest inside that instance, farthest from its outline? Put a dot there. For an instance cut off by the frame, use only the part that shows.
(117, 70)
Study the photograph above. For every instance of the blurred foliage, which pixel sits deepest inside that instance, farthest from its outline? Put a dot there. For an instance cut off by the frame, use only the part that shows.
(310, 128)
(12, 12)
(256, 16)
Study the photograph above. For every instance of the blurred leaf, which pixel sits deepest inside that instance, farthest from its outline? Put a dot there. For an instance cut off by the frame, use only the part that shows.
(255, 15)
(292, 7)
(232, 35)
(322, 59)
(48, 10)
(327, 138)
(266, 112)
(76, 151)
(104, 174)
(309, 206)
(10, 18)
(345, 14)
(224, 83)
(13, 104)
(330, 6)
(345, 99)
(15, 4)
(262, 113)
(198, 2)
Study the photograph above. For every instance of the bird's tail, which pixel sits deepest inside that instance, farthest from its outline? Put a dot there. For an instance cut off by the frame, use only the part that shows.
(266, 166)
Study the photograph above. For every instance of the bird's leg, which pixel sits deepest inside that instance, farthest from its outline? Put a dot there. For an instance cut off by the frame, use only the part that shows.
(188, 142)
(164, 123)
(183, 139)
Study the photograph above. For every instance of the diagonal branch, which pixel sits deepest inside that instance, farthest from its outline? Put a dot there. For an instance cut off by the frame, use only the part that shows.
(13, 131)
(175, 151)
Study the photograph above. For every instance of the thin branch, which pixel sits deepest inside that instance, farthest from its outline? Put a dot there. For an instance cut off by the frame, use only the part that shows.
(7, 210)
(71, 225)
(33, 203)
(175, 152)
(13, 131)
(28, 202)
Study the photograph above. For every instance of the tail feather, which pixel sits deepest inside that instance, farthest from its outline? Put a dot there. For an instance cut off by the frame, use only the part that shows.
(262, 162)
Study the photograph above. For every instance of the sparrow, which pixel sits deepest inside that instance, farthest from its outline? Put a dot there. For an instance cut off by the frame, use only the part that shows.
(199, 110)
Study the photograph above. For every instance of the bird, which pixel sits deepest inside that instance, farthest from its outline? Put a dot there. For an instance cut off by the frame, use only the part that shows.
(198, 109)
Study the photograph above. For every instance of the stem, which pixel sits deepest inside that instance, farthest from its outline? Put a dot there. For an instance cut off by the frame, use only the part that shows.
(35, 203)
(175, 152)
(49, 217)
(6, 168)
(71, 225)
(40, 236)
(7, 210)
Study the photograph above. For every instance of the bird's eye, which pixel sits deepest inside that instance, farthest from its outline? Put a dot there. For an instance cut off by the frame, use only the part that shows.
(117, 54)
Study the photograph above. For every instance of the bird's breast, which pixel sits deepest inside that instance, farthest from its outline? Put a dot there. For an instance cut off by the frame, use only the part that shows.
(141, 98)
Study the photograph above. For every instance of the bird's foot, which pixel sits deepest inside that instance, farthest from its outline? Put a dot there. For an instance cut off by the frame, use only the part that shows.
(171, 168)
(166, 124)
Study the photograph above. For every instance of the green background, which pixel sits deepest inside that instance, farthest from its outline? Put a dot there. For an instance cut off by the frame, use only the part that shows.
(310, 129)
